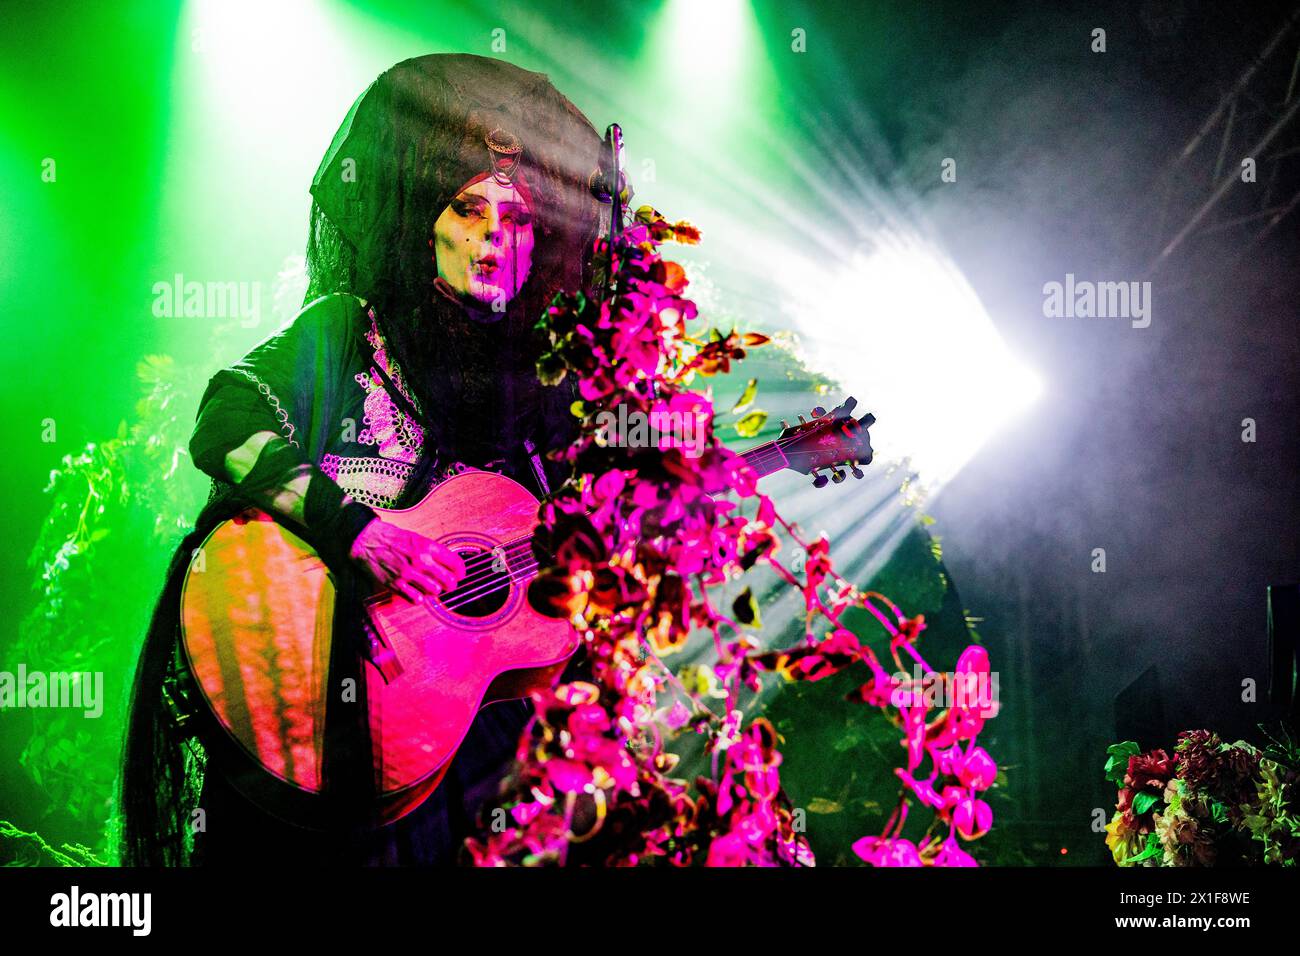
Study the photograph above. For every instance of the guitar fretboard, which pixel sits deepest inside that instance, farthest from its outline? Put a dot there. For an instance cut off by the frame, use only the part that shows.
(766, 458)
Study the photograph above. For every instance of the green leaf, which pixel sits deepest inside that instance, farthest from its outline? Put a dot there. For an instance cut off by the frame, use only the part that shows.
(746, 397)
(751, 424)
(1117, 762)
(1143, 802)
(1153, 848)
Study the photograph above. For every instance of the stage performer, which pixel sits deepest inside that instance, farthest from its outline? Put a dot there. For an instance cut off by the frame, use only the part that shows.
(451, 206)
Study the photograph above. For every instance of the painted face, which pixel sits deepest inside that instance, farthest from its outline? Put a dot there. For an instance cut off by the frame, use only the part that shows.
(483, 243)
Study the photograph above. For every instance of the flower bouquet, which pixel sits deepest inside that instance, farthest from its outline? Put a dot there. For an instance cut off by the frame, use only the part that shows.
(1209, 803)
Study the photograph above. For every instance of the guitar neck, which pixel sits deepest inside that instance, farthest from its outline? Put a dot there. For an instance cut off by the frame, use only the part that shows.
(766, 458)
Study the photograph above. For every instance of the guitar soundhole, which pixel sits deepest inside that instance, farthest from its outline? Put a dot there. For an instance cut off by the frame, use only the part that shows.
(486, 587)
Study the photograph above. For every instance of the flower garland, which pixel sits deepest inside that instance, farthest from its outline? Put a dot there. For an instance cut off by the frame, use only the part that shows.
(633, 550)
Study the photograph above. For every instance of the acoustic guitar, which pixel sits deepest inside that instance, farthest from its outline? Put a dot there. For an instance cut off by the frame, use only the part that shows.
(257, 614)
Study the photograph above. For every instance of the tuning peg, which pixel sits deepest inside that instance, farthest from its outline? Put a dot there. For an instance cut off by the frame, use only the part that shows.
(819, 481)
(784, 424)
(802, 420)
(818, 412)
(857, 472)
(837, 475)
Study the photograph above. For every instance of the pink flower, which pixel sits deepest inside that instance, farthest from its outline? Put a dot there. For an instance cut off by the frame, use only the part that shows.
(523, 813)
(973, 817)
(728, 850)
(879, 851)
(951, 854)
(978, 771)
(676, 716)
(568, 775)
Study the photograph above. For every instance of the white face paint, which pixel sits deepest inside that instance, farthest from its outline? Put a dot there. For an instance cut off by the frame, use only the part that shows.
(483, 243)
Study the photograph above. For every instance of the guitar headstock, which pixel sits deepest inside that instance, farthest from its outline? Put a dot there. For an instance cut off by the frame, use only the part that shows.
(828, 440)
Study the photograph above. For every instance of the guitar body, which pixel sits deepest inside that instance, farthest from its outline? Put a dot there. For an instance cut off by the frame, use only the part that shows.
(257, 614)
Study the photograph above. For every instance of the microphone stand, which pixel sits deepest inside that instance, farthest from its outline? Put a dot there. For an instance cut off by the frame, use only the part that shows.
(614, 142)
(608, 187)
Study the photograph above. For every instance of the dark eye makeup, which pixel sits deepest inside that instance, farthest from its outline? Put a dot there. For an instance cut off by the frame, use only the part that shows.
(466, 207)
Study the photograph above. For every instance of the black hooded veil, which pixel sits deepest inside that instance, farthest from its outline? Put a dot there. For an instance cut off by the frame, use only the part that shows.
(405, 149)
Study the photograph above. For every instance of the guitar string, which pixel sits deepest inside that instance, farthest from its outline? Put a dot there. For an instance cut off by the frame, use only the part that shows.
(507, 550)
(488, 558)
(501, 584)
(494, 581)
(481, 585)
